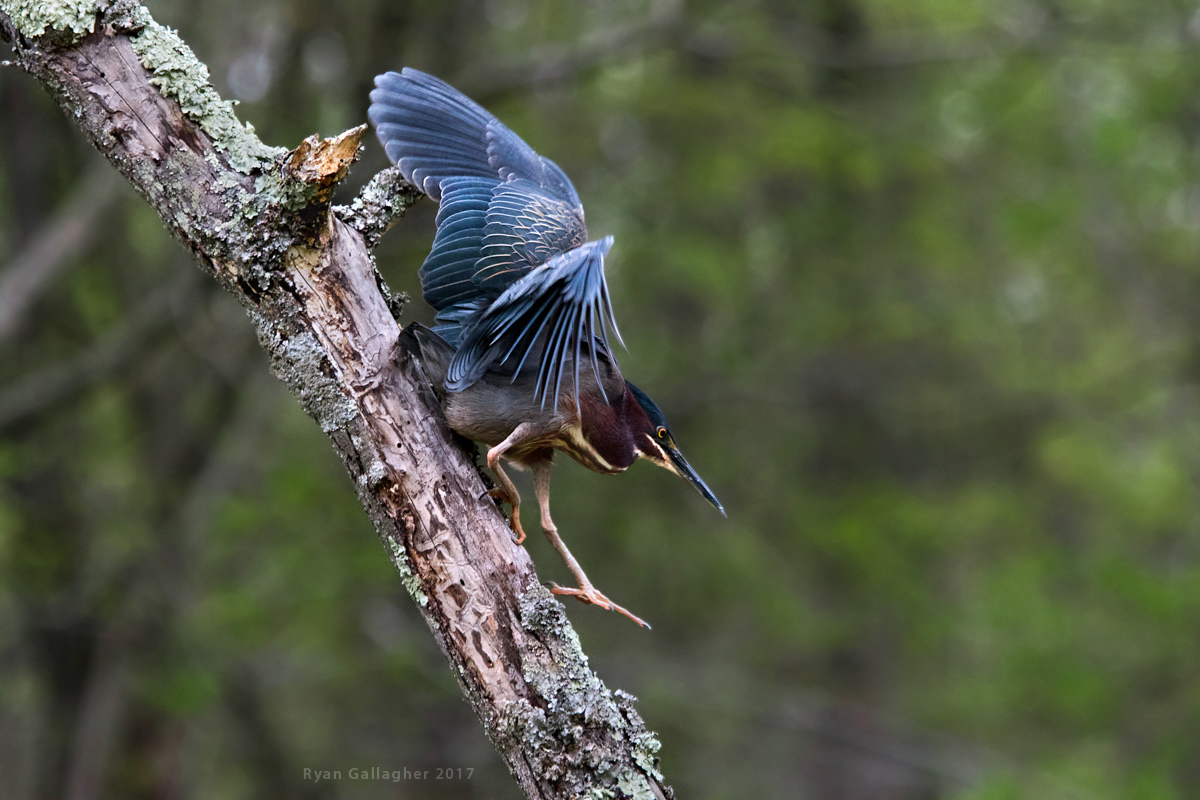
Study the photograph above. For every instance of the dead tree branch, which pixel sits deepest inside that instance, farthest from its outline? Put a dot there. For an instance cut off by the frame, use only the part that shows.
(259, 222)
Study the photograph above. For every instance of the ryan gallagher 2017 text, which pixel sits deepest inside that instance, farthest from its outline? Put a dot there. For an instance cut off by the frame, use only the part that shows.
(393, 775)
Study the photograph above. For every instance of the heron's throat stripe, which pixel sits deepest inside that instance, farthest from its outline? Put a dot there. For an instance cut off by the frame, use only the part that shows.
(574, 444)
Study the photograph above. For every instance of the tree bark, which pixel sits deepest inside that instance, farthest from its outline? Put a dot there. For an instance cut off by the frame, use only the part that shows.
(259, 221)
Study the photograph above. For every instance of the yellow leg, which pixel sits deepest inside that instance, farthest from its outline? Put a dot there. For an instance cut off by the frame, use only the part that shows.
(586, 592)
(507, 491)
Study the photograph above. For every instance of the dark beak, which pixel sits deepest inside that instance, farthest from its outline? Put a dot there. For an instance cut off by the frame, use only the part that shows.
(684, 470)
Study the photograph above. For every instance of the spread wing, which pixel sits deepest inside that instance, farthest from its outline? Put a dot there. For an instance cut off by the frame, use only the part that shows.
(511, 274)
(504, 209)
(559, 311)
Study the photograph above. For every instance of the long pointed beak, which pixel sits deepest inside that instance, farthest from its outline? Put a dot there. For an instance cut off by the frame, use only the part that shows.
(684, 470)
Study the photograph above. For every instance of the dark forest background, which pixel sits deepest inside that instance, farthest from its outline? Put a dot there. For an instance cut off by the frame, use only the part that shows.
(917, 284)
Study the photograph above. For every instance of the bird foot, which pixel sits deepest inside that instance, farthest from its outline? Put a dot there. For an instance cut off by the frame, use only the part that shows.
(593, 597)
(514, 524)
(499, 494)
(514, 520)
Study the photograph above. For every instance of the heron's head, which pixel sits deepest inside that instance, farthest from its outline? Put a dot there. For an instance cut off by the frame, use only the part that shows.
(653, 440)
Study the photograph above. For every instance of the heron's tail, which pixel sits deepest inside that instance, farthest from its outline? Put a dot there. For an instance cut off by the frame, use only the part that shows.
(431, 350)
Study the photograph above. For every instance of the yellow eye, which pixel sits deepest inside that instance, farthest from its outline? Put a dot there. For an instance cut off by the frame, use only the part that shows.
(662, 433)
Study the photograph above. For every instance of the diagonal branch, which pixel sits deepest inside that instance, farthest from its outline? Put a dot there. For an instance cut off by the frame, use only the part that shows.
(259, 222)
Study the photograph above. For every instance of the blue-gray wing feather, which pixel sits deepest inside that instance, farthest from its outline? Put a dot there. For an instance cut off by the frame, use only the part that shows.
(558, 311)
(511, 273)
(511, 208)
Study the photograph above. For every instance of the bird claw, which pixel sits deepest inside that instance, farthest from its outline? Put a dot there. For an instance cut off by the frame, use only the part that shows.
(593, 597)
(499, 494)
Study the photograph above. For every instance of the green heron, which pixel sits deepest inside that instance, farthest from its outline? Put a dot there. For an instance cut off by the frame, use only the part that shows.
(520, 356)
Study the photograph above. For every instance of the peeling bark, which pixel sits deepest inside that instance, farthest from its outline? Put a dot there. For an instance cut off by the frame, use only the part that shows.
(259, 221)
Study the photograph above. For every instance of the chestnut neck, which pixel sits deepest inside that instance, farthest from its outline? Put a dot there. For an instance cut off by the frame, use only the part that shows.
(610, 428)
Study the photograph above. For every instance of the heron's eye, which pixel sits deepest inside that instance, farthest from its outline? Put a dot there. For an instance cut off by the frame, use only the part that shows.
(662, 433)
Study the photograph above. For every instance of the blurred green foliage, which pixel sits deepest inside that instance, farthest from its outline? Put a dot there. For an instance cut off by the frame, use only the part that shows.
(916, 284)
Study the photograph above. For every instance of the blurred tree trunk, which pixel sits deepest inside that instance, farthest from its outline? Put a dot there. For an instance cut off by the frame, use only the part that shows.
(260, 222)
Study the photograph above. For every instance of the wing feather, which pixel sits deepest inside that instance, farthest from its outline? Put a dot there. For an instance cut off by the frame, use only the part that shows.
(511, 273)
(460, 155)
(560, 310)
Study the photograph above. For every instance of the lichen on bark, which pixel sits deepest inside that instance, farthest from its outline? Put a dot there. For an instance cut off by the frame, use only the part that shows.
(178, 74)
(34, 18)
(381, 202)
